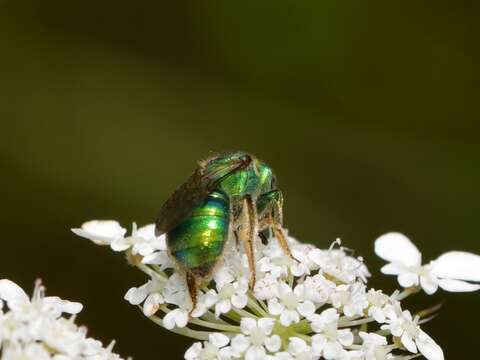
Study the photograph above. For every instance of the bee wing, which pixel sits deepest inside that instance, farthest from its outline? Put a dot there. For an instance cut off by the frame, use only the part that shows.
(192, 192)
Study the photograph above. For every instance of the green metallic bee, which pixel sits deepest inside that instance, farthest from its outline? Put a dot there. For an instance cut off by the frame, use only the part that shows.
(228, 195)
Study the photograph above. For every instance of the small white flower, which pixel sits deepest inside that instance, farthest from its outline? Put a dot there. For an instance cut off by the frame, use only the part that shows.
(142, 241)
(35, 329)
(377, 301)
(351, 299)
(318, 289)
(336, 264)
(101, 232)
(304, 265)
(275, 261)
(453, 271)
(402, 325)
(290, 304)
(228, 295)
(149, 293)
(329, 340)
(298, 350)
(213, 349)
(374, 346)
(176, 318)
(255, 340)
(267, 287)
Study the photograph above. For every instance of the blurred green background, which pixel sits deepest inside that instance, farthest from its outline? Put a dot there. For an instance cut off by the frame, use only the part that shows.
(368, 111)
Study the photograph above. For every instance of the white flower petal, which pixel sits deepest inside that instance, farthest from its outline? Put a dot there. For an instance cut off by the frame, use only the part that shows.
(428, 347)
(218, 339)
(222, 307)
(169, 320)
(239, 300)
(150, 306)
(120, 244)
(266, 324)
(457, 285)
(306, 309)
(193, 351)
(345, 337)
(428, 284)
(332, 350)
(255, 353)
(275, 307)
(397, 248)
(136, 295)
(71, 307)
(273, 343)
(240, 343)
(9, 291)
(247, 325)
(458, 265)
(408, 279)
(287, 317)
(147, 232)
(318, 343)
(408, 342)
(378, 315)
(393, 269)
(101, 232)
(329, 315)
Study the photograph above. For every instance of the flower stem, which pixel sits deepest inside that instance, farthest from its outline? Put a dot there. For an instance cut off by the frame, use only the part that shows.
(216, 326)
(194, 334)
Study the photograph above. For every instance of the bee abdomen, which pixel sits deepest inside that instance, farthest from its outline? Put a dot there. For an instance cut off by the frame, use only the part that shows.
(197, 243)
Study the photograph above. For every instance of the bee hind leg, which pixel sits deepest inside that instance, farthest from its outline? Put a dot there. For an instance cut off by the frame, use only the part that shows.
(192, 285)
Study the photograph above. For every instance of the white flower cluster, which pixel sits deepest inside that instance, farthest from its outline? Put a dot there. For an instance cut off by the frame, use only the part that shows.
(34, 329)
(314, 306)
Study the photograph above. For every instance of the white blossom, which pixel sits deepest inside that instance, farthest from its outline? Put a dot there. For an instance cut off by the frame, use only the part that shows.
(310, 307)
(290, 304)
(403, 325)
(215, 348)
(454, 271)
(329, 340)
(142, 241)
(36, 329)
(352, 299)
(374, 346)
(149, 293)
(227, 295)
(256, 339)
(101, 232)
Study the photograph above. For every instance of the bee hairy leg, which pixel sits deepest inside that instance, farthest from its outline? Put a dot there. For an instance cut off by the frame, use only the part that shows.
(192, 286)
(280, 235)
(272, 217)
(247, 232)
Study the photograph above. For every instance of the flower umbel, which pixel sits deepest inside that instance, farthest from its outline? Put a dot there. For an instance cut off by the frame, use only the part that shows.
(316, 306)
(35, 329)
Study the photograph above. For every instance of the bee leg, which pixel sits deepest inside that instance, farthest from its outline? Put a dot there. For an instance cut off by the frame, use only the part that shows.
(280, 235)
(237, 240)
(273, 214)
(248, 230)
(192, 286)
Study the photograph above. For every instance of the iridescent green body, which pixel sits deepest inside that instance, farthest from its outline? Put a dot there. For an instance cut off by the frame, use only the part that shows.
(198, 241)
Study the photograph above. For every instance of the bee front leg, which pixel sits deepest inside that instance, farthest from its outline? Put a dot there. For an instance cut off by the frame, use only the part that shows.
(248, 224)
(271, 213)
